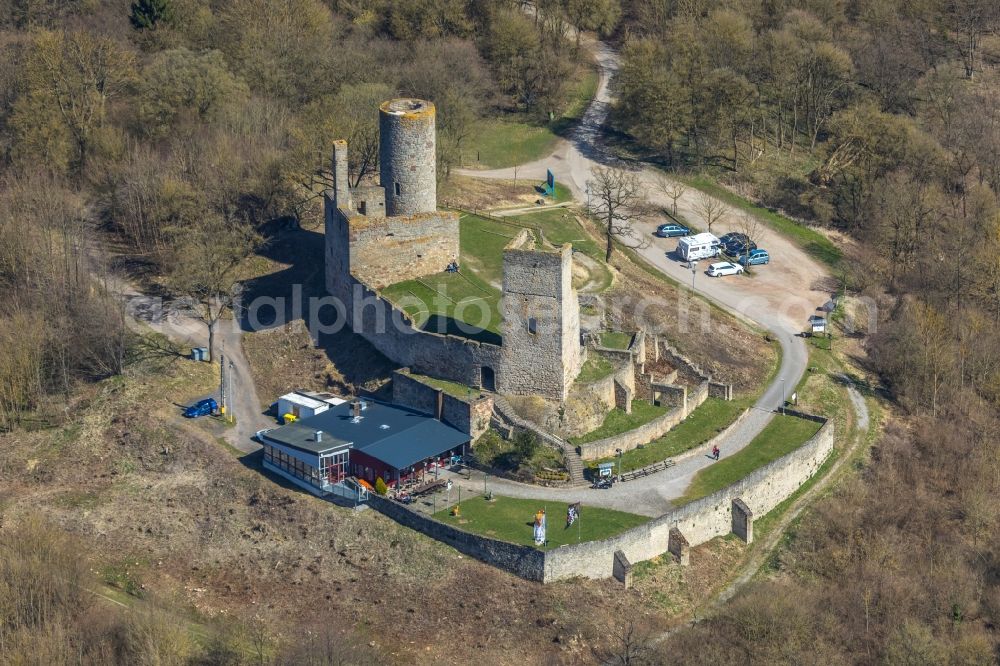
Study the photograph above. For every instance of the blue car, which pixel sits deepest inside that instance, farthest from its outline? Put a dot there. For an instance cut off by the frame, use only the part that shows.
(755, 258)
(672, 230)
(201, 408)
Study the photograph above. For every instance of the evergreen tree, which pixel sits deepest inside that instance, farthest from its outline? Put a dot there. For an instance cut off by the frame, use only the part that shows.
(146, 14)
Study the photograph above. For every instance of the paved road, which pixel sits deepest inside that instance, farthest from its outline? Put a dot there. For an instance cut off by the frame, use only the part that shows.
(779, 298)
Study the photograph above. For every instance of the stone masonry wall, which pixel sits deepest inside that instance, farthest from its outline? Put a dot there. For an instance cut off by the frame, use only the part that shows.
(409, 392)
(523, 561)
(644, 434)
(387, 250)
(388, 328)
(471, 416)
(699, 521)
(392, 333)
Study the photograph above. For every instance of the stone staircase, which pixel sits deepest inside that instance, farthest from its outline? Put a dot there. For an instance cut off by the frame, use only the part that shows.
(508, 422)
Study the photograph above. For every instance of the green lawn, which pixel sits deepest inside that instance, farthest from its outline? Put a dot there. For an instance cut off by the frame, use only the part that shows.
(440, 301)
(617, 421)
(616, 340)
(482, 241)
(511, 519)
(449, 303)
(498, 143)
(782, 435)
(596, 367)
(559, 226)
(451, 388)
(813, 242)
(704, 423)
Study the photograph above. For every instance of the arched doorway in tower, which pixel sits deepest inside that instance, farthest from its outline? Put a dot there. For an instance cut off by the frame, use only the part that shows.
(487, 378)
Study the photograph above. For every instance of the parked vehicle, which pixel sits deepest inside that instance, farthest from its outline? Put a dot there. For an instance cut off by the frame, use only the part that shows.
(724, 268)
(672, 230)
(755, 258)
(737, 245)
(736, 248)
(699, 246)
(603, 483)
(726, 239)
(201, 408)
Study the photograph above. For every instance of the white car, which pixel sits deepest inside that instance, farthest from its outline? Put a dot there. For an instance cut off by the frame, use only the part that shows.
(724, 268)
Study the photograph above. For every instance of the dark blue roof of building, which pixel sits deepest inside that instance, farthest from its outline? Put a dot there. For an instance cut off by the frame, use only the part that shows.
(398, 436)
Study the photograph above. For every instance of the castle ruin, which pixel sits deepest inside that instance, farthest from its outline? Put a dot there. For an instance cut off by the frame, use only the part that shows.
(378, 236)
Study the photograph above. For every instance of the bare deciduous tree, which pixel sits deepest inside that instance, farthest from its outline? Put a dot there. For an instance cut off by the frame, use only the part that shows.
(750, 226)
(616, 199)
(674, 189)
(628, 646)
(205, 268)
(711, 209)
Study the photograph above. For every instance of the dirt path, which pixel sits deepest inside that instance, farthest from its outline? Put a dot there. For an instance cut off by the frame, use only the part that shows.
(178, 324)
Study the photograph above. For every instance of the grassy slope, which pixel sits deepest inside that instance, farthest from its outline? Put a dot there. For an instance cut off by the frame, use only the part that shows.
(617, 421)
(498, 143)
(451, 388)
(701, 425)
(815, 243)
(470, 295)
(616, 339)
(511, 519)
(597, 367)
(782, 435)
(560, 226)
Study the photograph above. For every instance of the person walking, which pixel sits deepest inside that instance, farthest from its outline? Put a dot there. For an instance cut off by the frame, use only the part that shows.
(715, 452)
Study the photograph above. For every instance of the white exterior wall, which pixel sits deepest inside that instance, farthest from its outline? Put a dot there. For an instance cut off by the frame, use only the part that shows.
(300, 405)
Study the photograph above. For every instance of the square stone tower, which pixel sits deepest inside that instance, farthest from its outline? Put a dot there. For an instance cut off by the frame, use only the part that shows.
(541, 320)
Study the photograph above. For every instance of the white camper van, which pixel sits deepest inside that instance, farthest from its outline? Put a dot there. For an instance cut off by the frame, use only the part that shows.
(700, 246)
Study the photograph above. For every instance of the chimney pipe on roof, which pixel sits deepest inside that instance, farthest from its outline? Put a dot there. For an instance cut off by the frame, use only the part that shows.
(319, 435)
(356, 408)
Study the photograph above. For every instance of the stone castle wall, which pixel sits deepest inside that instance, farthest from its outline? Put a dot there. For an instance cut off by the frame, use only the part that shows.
(699, 521)
(644, 434)
(695, 523)
(386, 250)
(541, 321)
(523, 561)
(390, 331)
(379, 236)
(471, 416)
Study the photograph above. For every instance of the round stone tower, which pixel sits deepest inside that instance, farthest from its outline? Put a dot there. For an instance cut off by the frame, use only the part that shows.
(407, 156)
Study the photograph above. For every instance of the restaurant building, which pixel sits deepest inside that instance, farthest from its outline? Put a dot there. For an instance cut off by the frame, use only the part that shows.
(365, 439)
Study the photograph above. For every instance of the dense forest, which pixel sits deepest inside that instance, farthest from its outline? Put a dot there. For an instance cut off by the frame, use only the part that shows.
(880, 120)
(173, 131)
